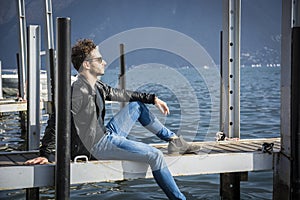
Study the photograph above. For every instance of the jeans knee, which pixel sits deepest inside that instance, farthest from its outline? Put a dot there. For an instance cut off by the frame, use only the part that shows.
(135, 105)
(156, 159)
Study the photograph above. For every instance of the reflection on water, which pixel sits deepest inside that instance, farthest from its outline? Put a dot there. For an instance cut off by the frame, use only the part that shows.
(260, 117)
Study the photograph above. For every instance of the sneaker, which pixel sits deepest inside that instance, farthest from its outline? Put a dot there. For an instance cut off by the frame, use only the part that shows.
(180, 146)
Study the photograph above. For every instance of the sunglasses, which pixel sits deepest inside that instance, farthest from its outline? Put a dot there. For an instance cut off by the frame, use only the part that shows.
(99, 60)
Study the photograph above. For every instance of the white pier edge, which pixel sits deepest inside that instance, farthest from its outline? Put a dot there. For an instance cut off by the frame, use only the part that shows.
(17, 177)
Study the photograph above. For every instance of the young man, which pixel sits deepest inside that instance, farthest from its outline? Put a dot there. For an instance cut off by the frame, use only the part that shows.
(92, 138)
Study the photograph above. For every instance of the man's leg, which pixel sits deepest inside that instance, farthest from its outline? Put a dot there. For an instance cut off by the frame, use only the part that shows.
(168, 185)
(115, 147)
(124, 120)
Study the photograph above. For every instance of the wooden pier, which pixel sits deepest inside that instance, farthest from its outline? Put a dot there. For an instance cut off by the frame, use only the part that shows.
(12, 105)
(226, 157)
(214, 157)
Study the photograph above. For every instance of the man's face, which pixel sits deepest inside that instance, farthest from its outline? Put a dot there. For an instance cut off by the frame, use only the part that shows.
(96, 63)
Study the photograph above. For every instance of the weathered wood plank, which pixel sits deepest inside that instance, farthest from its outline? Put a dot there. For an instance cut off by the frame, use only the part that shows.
(4, 160)
(16, 158)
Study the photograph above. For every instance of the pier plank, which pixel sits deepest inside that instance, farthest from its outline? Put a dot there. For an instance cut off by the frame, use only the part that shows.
(15, 106)
(16, 158)
(214, 157)
(4, 160)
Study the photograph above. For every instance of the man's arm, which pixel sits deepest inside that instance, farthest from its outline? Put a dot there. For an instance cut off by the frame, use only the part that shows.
(47, 150)
(121, 95)
(115, 94)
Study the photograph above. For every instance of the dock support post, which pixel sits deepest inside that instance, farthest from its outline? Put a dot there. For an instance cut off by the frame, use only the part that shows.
(52, 81)
(286, 166)
(49, 44)
(22, 59)
(33, 92)
(23, 48)
(1, 91)
(230, 186)
(222, 97)
(295, 113)
(231, 66)
(122, 78)
(63, 114)
(22, 114)
(33, 89)
(230, 182)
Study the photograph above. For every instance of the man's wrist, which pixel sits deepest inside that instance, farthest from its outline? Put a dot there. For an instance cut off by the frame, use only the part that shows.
(155, 100)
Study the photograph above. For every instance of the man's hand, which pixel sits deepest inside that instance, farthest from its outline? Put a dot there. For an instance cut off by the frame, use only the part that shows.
(162, 106)
(37, 161)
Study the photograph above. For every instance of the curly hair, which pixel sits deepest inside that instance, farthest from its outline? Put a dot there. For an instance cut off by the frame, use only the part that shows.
(80, 51)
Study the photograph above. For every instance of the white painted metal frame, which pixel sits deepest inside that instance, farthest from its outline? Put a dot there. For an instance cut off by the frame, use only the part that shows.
(231, 66)
(18, 177)
(23, 47)
(34, 66)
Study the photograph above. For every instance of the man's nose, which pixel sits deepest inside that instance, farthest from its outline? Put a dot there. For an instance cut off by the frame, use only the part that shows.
(104, 62)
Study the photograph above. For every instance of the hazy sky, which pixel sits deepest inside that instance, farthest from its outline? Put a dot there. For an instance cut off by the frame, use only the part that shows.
(99, 19)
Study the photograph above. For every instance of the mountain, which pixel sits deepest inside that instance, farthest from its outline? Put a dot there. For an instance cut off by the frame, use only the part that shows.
(200, 20)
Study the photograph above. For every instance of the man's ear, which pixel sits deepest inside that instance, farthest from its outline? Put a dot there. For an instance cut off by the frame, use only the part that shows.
(85, 65)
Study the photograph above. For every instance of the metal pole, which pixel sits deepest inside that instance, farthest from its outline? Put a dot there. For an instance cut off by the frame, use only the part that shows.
(233, 46)
(230, 186)
(33, 89)
(52, 78)
(231, 66)
(23, 48)
(19, 74)
(122, 77)
(283, 165)
(295, 93)
(295, 114)
(230, 182)
(1, 92)
(63, 114)
(49, 43)
(296, 13)
(222, 114)
(21, 113)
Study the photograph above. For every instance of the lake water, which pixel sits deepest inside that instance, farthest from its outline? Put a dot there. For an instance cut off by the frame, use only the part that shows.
(193, 98)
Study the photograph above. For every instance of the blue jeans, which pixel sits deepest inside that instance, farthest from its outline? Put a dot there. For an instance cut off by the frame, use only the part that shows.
(115, 145)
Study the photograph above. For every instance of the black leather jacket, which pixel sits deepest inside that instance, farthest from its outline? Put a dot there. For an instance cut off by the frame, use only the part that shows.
(88, 112)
